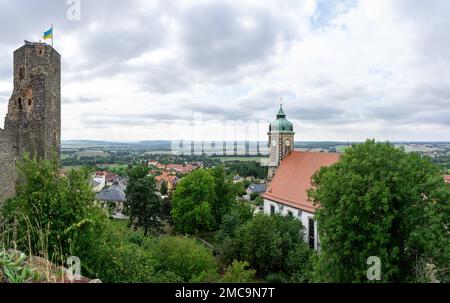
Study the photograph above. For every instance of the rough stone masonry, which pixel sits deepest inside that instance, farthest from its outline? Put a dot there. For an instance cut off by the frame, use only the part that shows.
(33, 121)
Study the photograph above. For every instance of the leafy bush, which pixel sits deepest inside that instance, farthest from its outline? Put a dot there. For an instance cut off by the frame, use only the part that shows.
(238, 273)
(121, 262)
(240, 213)
(270, 244)
(300, 264)
(53, 215)
(183, 258)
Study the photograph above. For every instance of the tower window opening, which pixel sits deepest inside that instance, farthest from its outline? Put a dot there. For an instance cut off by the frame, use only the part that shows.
(30, 102)
(19, 103)
(55, 139)
(21, 73)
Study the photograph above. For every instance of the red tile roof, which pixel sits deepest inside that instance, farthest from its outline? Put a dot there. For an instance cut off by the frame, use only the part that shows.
(293, 178)
(447, 178)
(181, 168)
(168, 178)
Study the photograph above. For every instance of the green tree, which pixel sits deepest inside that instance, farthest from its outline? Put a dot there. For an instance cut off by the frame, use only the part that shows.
(254, 196)
(380, 201)
(225, 193)
(259, 201)
(117, 259)
(164, 189)
(143, 205)
(182, 259)
(300, 264)
(137, 172)
(259, 243)
(192, 203)
(239, 215)
(53, 215)
(266, 242)
(238, 273)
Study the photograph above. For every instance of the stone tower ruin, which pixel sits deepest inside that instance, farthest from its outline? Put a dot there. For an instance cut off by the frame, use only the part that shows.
(33, 121)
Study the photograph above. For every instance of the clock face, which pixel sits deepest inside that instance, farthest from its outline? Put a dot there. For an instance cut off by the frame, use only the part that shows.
(288, 143)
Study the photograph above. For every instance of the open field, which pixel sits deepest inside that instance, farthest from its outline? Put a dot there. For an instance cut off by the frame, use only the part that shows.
(65, 156)
(66, 169)
(242, 159)
(341, 148)
(92, 153)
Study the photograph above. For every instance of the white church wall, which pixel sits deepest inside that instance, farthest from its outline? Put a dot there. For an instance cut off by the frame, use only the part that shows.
(299, 214)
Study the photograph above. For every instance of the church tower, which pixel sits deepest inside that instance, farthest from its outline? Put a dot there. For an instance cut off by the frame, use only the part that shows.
(33, 122)
(281, 141)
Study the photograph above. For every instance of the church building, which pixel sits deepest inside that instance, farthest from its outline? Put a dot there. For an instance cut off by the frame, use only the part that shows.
(289, 177)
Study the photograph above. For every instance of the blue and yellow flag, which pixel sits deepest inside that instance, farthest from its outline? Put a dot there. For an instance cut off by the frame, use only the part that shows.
(48, 34)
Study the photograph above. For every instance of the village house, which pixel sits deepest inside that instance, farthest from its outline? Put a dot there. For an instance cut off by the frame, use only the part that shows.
(180, 168)
(111, 178)
(98, 182)
(171, 181)
(114, 195)
(254, 189)
(237, 179)
(153, 163)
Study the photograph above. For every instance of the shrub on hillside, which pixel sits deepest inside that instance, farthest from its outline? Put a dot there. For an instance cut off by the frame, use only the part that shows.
(53, 215)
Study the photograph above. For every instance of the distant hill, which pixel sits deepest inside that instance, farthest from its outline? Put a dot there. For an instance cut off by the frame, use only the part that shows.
(165, 145)
(152, 145)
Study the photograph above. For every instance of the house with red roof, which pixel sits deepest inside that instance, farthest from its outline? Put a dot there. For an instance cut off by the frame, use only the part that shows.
(290, 174)
(180, 168)
(447, 178)
(171, 181)
(153, 163)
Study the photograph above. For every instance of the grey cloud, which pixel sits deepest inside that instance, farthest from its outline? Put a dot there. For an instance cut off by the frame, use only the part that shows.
(412, 113)
(164, 78)
(214, 110)
(118, 44)
(325, 115)
(432, 36)
(146, 119)
(269, 98)
(80, 99)
(216, 42)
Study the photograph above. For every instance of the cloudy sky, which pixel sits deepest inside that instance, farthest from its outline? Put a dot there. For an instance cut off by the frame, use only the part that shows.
(146, 70)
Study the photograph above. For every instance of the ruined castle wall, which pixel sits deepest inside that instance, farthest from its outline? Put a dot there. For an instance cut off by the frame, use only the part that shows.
(34, 113)
(7, 168)
(33, 121)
